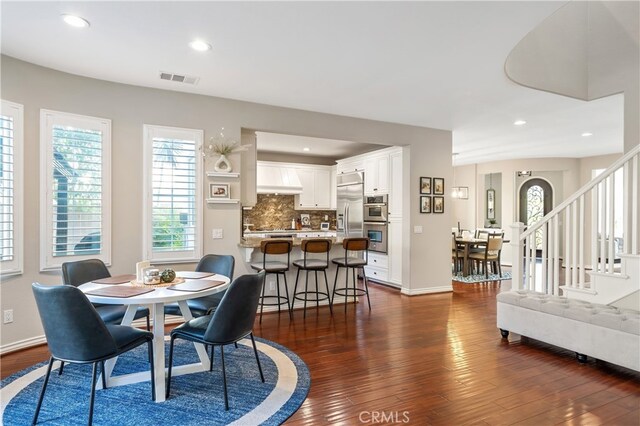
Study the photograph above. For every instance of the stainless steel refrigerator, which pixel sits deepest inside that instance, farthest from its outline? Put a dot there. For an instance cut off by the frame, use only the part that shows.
(350, 210)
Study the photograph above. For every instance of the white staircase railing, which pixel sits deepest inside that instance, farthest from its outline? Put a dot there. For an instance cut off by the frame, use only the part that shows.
(558, 259)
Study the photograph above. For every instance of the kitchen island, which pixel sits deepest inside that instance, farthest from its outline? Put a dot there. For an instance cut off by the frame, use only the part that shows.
(252, 254)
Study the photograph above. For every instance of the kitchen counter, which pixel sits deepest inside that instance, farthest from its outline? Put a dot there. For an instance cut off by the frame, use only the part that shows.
(254, 242)
(250, 249)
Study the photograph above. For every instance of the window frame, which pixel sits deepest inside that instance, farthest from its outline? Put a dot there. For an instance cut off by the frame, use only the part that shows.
(149, 132)
(16, 265)
(49, 118)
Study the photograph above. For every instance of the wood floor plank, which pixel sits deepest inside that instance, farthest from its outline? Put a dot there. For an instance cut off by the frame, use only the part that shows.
(438, 357)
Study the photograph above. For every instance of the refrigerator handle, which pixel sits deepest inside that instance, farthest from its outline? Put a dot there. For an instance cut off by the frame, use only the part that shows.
(346, 219)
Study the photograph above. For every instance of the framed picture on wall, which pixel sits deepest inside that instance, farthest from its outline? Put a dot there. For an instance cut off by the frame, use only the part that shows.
(425, 204)
(425, 185)
(219, 190)
(491, 203)
(438, 187)
(438, 204)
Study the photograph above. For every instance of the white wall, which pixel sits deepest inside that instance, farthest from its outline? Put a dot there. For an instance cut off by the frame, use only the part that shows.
(129, 107)
(464, 210)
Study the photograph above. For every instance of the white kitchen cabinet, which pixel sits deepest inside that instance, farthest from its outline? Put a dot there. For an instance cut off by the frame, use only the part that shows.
(316, 188)
(394, 242)
(376, 175)
(395, 184)
(377, 274)
(349, 165)
(379, 260)
(377, 268)
(307, 198)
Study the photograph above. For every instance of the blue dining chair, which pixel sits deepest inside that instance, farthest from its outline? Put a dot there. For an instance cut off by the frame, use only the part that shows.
(84, 271)
(231, 321)
(215, 263)
(75, 333)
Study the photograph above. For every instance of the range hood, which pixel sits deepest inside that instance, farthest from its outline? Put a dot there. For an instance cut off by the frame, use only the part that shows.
(274, 178)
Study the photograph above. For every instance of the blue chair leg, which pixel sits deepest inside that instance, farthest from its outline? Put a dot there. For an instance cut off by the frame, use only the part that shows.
(211, 358)
(153, 373)
(224, 380)
(255, 351)
(94, 377)
(44, 387)
(170, 364)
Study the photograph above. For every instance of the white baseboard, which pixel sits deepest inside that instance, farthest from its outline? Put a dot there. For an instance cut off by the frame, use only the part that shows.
(22, 344)
(418, 291)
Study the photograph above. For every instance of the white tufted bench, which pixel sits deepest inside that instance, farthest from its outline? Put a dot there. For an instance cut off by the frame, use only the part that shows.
(600, 331)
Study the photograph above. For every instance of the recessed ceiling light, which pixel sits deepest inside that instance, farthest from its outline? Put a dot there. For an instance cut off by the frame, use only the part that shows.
(519, 123)
(305, 149)
(200, 46)
(75, 21)
(586, 134)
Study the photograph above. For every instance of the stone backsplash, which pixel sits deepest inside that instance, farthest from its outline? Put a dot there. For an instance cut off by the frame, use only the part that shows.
(276, 211)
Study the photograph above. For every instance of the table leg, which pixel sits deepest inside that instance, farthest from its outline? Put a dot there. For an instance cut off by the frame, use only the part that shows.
(200, 349)
(110, 363)
(158, 350)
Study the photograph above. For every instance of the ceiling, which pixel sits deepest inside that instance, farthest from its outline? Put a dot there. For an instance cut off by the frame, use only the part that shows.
(431, 64)
(317, 147)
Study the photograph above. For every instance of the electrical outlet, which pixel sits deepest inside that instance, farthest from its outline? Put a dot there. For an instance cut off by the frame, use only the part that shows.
(272, 286)
(8, 316)
(417, 229)
(216, 234)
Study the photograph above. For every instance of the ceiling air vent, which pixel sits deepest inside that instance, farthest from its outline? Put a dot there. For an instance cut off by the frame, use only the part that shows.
(186, 79)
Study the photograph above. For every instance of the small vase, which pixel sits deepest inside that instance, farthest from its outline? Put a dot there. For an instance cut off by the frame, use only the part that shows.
(222, 165)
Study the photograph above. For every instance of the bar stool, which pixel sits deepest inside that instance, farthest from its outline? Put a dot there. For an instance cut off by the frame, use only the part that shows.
(353, 262)
(274, 248)
(315, 265)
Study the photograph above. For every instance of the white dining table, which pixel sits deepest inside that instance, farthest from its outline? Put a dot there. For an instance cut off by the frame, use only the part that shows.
(155, 301)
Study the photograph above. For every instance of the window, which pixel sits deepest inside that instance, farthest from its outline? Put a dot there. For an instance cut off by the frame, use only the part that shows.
(75, 214)
(173, 191)
(11, 188)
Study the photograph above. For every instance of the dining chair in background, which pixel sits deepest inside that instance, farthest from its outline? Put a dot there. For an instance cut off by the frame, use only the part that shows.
(491, 255)
(84, 271)
(213, 263)
(457, 254)
(76, 333)
(231, 321)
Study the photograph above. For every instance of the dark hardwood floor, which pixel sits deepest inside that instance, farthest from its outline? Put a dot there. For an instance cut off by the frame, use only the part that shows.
(434, 359)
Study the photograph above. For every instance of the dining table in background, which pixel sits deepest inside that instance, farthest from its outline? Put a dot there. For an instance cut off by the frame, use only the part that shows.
(468, 243)
(155, 301)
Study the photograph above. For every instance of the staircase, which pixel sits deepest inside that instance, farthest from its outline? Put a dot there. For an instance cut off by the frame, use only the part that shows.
(573, 251)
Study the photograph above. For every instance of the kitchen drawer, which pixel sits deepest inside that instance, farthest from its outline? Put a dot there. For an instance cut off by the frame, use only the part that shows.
(378, 260)
(374, 273)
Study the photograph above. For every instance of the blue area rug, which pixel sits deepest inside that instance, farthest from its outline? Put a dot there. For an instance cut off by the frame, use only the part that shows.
(480, 278)
(196, 399)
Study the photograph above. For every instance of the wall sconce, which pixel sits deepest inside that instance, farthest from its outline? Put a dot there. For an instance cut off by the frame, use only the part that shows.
(525, 173)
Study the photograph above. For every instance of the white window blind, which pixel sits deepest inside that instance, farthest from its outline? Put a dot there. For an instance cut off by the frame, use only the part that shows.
(77, 186)
(11, 173)
(174, 194)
